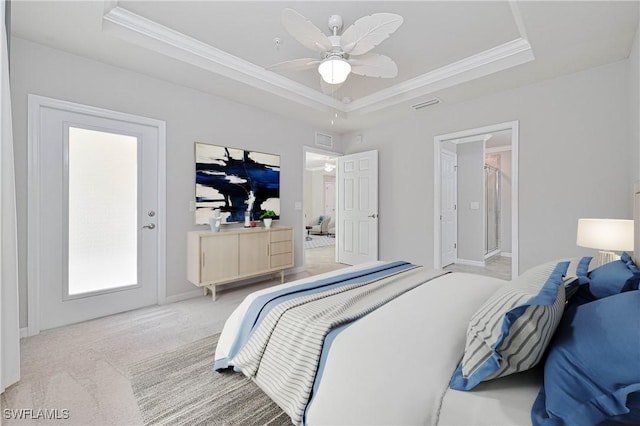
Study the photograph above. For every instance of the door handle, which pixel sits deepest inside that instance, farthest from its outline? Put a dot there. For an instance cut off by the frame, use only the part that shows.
(150, 226)
(373, 215)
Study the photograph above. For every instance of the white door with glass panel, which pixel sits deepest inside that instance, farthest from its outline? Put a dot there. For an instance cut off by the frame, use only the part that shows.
(357, 230)
(95, 222)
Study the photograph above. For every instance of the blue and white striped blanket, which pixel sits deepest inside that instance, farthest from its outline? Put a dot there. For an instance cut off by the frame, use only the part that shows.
(282, 338)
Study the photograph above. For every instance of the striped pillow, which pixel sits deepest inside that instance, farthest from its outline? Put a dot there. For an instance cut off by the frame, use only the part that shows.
(511, 331)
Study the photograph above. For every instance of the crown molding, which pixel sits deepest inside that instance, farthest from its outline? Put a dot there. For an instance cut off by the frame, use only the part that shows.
(151, 35)
(146, 33)
(492, 60)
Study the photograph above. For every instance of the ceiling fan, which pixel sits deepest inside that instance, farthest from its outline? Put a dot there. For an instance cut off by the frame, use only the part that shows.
(343, 54)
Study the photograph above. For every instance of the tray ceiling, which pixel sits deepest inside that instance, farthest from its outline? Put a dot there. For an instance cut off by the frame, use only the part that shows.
(222, 47)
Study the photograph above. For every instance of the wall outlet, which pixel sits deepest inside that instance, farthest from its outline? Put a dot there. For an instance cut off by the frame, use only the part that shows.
(474, 205)
(297, 205)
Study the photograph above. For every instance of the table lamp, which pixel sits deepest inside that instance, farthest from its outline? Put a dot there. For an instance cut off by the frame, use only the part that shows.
(606, 235)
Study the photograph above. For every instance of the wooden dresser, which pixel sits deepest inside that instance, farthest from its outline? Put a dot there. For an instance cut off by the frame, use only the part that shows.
(222, 257)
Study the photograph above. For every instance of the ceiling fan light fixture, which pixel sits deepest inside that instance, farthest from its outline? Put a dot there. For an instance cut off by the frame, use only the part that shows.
(329, 167)
(334, 70)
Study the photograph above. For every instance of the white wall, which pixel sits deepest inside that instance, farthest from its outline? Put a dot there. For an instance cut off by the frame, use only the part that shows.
(573, 162)
(634, 102)
(190, 115)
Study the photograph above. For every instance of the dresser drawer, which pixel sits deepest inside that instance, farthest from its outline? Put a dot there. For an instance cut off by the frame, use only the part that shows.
(280, 260)
(281, 247)
(281, 235)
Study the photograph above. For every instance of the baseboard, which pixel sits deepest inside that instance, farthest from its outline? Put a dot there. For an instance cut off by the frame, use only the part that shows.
(295, 270)
(467, 262)
(505, 254)
(184, 296)
(493, 253)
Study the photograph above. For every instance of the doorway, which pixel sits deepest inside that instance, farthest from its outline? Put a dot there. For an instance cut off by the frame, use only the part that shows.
(486, 217)
(96, 213)
(319, 201)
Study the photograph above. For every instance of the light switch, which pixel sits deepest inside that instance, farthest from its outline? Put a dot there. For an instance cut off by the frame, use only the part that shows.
(297, 205)
(474, 205)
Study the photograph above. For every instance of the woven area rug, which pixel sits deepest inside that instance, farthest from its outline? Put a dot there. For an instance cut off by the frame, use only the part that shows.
(181, 387)
(319, 241)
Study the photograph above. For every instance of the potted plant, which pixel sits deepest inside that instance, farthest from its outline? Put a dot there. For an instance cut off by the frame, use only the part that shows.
(267, 216)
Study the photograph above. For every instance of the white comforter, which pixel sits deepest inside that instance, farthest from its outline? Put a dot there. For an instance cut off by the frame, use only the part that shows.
(394, 365)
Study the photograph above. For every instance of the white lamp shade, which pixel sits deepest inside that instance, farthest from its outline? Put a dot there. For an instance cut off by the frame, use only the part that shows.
(606, 234)
(334, 70)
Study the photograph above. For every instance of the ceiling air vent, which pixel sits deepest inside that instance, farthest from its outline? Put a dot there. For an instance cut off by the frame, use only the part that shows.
(324, 140)
(425, 104)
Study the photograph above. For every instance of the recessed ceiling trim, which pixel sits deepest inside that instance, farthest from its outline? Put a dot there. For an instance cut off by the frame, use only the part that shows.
(154, 36)
(492, 60)
(517, 17)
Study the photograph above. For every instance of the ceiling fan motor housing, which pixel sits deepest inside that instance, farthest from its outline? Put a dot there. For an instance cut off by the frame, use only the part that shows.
(335, 44)
(342, 52)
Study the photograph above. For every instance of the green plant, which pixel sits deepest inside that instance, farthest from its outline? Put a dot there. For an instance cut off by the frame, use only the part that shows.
(268, 214)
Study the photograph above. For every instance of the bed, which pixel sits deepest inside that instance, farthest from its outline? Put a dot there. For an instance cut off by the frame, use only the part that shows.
(395, 351)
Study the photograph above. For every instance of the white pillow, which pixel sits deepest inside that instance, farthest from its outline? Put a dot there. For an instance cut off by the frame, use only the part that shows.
(511, 331)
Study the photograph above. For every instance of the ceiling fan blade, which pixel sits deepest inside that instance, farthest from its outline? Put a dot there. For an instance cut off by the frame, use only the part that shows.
(369, 31)
(374, 65)
(295, 65)
(304, 31)
(329, 89)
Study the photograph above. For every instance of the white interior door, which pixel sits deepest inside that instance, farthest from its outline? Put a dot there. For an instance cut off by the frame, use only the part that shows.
(448, 206)
(94, 221)
(357, 225)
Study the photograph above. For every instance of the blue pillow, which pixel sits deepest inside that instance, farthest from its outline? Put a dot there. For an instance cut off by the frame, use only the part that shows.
(582, 270)
(601, 339)
(628, 260)
(578, 278)
(610, 278)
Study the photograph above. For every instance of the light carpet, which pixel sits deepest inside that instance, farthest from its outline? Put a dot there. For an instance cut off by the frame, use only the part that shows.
(181, 387)
(319, 241)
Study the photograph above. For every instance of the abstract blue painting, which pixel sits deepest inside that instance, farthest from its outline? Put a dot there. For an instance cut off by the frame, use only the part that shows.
(235, 181)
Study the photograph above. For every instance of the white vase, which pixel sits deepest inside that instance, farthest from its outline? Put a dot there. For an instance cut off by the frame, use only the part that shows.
(215, 221)
(267, 222)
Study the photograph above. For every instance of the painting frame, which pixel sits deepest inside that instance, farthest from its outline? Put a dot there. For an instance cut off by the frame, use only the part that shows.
(235, 181)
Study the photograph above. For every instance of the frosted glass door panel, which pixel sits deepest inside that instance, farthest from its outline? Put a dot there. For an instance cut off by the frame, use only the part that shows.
(103, 211)
(96, 247)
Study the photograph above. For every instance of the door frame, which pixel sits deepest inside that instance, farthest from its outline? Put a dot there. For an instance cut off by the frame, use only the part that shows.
(35, 104)
(514, 127)
(455, 189)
